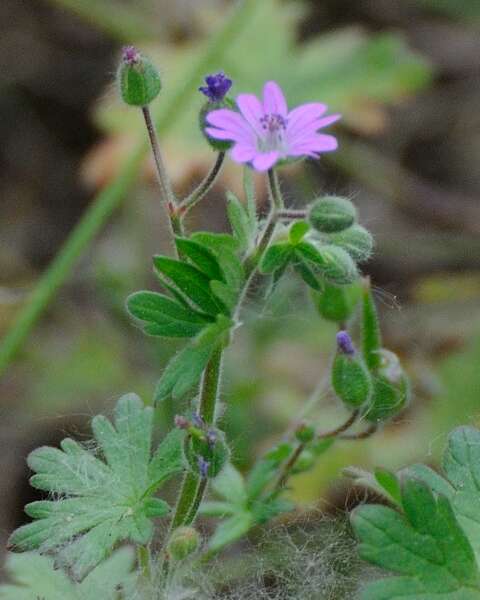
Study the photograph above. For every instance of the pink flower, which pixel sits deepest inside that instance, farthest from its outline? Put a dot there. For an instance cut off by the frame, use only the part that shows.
(264, 133)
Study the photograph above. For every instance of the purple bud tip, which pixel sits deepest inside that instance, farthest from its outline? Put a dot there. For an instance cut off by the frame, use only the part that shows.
(198, 421)
(130, 55)
(203, 467)
(182, 422)
(211, 437)
(344, 343)
(217, 87)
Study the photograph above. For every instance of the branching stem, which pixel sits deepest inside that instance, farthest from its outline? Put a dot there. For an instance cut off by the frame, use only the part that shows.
(168, 197)
(205, 186)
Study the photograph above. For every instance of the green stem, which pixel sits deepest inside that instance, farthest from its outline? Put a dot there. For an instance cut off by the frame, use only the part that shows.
(200, 192)
(193, 487)
(111, 196)
(143, 561)
(169, 202)
(275, 191)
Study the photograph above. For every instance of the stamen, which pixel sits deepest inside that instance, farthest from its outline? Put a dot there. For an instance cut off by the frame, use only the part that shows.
(274, 126)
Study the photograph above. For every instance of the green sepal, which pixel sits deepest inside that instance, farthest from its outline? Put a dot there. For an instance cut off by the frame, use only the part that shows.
(387, 399)
(183, 542)
(333, 263)
(297, 231)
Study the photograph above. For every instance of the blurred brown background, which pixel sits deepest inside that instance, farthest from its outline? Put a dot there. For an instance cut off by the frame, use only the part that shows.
(409, 156)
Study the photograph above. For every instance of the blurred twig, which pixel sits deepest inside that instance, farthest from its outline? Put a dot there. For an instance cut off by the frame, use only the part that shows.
(113, 194)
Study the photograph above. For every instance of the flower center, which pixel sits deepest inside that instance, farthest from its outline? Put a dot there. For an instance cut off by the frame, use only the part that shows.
(274, 127)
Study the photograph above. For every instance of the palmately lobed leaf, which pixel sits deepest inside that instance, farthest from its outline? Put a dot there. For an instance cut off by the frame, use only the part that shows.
(103, 503)
(426, 545)
(35, 577)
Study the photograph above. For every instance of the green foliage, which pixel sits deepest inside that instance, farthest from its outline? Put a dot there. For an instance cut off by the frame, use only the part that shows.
(165, 317)
(332, 214)
(101, 503)
(34, 577)
(435, 544)
(243, 221)
(241, 503)
(381, 481)
(139, 83)
(185, 369)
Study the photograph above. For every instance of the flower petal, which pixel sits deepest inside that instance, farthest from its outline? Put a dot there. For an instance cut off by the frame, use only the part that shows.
(263, 162)
(304, 114)
(313, 144)
(273, 99)
(232, 122)
(243, 153)
(252, 110)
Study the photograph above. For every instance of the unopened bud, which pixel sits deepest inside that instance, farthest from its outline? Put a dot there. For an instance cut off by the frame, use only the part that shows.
(391, 389)
(139, 81)
(207, 454)
(350, 378)
(182, 422)
(337, 302)
(332, 213)
(183, 542)
(339, 267)
(216, 89)
(355, 240)
(304, 433)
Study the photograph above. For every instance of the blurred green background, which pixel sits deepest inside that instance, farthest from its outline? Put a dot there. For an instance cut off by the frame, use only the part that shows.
(406, 76)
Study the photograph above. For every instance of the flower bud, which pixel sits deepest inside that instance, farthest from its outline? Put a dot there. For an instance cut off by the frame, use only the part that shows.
(206, 455)
(332, 213)
(304, 433)
(338, 266)
(356, 240)
(216, 89)
(337, 302)
(138, 79)
(183, 542)
(350, 378)
(391, 389)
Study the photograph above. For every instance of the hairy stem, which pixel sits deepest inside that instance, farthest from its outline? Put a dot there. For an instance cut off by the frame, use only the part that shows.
(361, 435)
(341, 428)
(169, 201)
(143, 562)
(206, 185)
(193, 487)
(288, 214)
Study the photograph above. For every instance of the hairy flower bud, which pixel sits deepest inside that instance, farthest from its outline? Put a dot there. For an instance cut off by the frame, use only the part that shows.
(332, 213)
(350, 378)
(207, 454)
(183, 542)
(391, 389)
(338, 266)
(356, 240)
(337, 302)
(216, 89)
(138, 79)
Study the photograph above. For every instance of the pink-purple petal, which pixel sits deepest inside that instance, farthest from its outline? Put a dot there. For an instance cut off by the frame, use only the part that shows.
(230, 121)
(315, 143)
(252, 110)
(274, 102)
(263, 162)
(242, 153)
(305, 114)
